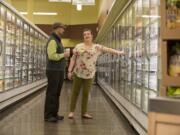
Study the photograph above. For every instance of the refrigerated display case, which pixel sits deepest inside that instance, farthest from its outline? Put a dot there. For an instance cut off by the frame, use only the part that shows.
(134, 76)
(22, 54)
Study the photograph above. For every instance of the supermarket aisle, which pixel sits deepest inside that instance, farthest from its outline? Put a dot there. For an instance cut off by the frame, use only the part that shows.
(26, 117)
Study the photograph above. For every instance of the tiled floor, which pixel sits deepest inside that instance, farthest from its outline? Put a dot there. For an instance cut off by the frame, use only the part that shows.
(26, 118)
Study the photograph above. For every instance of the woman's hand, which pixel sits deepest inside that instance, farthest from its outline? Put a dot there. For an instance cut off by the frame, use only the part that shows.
(70, 75)
(120, 53)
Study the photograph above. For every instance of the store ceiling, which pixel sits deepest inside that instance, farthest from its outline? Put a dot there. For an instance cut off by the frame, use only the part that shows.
(67, 12)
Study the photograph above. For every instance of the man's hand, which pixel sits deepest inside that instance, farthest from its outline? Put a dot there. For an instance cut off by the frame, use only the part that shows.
(66, 54)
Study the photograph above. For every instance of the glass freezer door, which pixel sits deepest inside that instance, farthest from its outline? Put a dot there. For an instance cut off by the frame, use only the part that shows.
(18, 58)
(25, 53)
(31, 53)
(39, 57)
(10, 50)
(2, 31)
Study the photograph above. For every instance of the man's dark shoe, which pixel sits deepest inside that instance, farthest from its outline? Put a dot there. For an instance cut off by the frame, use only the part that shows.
(58, 117)
(51, 119)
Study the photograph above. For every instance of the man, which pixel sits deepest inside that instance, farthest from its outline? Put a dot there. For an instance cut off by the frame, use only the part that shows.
(55, 73)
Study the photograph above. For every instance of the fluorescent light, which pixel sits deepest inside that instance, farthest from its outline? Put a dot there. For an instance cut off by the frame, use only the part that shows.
(150, 16)
(79, 7)
(83, 2)
(24, 13)
(59, 0)
(75, 2)
(40, 13)
(44, 13)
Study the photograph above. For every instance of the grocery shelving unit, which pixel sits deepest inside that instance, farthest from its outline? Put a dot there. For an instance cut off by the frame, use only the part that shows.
(22, 56)
(170, 29)
(170, 34)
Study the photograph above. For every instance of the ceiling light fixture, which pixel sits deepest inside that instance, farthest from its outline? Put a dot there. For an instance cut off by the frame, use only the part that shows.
(24, 13)
(78, 3)
(150, 16)
(44, 13)
(83, 2)
(59, 0)
(78, 7)
(75, 2)
(40, 13)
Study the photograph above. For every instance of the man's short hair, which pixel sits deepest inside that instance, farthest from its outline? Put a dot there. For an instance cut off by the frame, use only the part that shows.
(58, 25)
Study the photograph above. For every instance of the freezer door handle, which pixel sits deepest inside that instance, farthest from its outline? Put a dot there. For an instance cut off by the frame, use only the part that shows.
(146, 54)
(0, 48)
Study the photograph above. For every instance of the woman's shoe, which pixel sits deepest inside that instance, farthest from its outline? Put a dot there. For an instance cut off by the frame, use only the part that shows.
(71, 115)
(87, 116)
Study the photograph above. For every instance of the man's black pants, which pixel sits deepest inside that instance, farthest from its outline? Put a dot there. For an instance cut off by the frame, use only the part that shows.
(55, 82)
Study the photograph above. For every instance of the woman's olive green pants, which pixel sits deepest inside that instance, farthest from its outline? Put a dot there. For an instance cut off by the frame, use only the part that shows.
(86, 86)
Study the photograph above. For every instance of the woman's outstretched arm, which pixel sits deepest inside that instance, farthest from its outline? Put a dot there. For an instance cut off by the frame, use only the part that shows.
(110, 50)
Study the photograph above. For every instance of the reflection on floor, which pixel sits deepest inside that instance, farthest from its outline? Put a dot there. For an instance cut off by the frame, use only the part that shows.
(26, 118)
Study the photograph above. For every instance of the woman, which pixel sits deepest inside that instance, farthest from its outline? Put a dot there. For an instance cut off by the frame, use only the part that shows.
(83, 68)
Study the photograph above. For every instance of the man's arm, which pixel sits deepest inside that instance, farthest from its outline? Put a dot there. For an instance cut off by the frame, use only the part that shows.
(51, 51)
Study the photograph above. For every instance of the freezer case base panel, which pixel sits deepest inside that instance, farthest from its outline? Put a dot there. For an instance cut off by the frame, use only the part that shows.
(136, 117)
(11, 96)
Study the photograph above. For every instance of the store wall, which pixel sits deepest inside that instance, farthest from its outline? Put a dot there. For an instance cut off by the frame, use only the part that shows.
(88, 15)
(8, 1)
(70, 42)
(72, 31)
(20, 5)
(67, 13)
